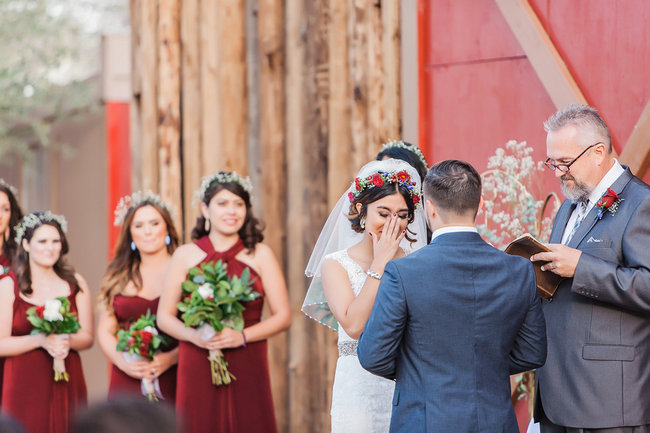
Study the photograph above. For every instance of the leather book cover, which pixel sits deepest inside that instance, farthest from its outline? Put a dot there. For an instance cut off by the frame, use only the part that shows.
(526, 246)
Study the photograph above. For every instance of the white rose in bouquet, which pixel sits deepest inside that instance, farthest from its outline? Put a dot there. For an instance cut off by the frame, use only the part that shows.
(52, 312)
(206, 291)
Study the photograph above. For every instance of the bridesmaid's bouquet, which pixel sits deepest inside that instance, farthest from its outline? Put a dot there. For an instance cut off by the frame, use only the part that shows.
(142, 340)
(54, 318)
(212, 302)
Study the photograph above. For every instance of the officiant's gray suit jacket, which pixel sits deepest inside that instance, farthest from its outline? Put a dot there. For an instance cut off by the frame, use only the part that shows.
(450, 323)
(597, 374)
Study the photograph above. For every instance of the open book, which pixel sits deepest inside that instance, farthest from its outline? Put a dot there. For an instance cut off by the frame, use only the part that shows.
(526, 246)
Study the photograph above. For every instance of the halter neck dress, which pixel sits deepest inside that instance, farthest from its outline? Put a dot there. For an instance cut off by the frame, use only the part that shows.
(29, 393)
(246, 404)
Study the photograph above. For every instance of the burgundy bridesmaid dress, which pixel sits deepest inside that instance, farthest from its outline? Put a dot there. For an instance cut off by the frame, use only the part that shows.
(246, 404)
(30, 394)
(127, 310)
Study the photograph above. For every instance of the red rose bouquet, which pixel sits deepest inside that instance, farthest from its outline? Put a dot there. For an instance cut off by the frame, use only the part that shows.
(142, 340)
(54, 318)
(212, 302)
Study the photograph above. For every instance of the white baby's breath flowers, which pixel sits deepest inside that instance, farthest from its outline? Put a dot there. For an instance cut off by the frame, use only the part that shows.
(205, 291)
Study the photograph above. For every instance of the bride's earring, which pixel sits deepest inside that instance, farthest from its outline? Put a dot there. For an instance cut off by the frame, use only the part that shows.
(362, 223)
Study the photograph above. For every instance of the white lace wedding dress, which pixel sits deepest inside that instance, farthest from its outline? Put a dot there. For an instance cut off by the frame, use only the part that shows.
(361, 401)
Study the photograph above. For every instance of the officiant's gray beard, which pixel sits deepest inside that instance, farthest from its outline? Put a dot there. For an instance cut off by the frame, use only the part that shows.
(577, 193)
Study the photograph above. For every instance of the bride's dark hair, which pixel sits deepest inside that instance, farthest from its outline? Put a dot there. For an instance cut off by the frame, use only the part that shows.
(371, 195)
(250, 233)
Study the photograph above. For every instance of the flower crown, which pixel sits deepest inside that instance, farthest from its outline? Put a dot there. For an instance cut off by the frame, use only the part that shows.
(11, 188)
(130, 201)
(414, 149)
(382, 177)
(222, 177)
(33, 219)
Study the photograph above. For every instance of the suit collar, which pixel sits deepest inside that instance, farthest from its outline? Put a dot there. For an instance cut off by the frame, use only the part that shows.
(592, 217)
(457, 237)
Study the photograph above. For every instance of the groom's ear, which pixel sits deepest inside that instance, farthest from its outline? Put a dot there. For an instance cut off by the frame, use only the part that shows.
(431, 210)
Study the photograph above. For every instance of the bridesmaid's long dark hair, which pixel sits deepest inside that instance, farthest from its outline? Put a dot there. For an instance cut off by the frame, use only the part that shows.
(62, 268)
(125, 265)
(250, 233)
(9, 246)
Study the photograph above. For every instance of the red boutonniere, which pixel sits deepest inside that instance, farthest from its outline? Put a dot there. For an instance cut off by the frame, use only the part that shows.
(609, 201)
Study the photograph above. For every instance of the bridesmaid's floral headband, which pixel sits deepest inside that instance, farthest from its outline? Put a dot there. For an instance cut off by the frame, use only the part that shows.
(34, 219)
(382, 177)
(222, 177)
(11, 188)
(414, 149)
(130, 201)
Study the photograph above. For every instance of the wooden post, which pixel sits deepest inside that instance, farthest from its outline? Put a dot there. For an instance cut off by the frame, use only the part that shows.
(272, 186)
(376, 103)
(391, 49)
(636, 153)
(358, 31)
(340, 170)
(135, 127)
(169, 105)
(191, 114)
(211, 98)
(148, 97)
(231, 34)
(312, 345)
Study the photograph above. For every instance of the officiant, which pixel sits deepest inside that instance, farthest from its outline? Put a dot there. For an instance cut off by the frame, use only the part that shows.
(596, 377)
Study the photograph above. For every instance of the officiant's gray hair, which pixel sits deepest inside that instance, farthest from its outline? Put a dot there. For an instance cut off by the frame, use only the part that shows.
(584, 117)
(453, 185)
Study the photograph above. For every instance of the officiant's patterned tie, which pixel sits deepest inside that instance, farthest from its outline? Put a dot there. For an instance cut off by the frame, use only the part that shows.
(582, 212)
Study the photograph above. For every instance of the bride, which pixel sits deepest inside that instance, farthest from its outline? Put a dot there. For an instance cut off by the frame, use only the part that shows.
(378, 219)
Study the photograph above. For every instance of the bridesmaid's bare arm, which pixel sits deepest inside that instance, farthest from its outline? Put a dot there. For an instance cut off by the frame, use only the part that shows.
(183, 258)
(13, 346)
(275, 290)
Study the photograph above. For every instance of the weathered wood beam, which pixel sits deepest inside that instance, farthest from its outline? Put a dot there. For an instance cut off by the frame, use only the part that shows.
(211, 102)
(391, 48)
(636, 153)
(148, 96)
(541, 52)
(191, 114)
(358, 30)
(231, 34)
(169, 104)
(376, 103)
(272, 185)
(340, 169)
(135, 120)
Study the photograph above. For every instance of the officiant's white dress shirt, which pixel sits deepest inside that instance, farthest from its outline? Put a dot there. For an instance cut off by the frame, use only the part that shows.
(452, 229)
(612, 175)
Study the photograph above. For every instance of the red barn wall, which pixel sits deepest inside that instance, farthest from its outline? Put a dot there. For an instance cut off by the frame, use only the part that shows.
(479, 90)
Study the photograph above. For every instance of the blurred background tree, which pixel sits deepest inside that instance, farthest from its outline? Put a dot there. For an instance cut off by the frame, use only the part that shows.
(49, 54)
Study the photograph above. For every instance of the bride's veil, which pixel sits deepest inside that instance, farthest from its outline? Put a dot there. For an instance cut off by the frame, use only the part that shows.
(337, 234)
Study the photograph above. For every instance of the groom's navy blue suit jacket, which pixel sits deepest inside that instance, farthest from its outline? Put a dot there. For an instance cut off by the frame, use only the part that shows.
(450, 323)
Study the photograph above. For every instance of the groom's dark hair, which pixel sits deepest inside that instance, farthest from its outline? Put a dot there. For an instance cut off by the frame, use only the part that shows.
(454, 186)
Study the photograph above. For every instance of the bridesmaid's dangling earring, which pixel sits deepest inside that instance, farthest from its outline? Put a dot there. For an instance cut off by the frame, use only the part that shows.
(362, 223)
(207, 225)
(133, 246)
(168, 240)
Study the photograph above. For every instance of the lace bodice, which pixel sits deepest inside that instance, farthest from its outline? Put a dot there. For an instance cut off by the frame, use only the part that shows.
(357, 277)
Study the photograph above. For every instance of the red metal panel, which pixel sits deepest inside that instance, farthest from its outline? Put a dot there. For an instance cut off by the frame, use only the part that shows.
(477, 90)
(119, 162)
(606, 45)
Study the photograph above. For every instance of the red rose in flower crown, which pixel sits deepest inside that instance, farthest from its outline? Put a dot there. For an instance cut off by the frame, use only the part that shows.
(377, 180)
(416, 198)
(403, 176)
(609, 201)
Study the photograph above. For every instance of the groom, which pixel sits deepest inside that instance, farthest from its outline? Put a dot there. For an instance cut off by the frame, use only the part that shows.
(453, 320)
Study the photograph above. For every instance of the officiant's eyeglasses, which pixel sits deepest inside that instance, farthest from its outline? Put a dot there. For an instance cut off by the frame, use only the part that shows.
(564, 168)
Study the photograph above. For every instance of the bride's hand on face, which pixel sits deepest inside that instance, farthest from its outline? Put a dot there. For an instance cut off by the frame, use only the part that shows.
(386, 246)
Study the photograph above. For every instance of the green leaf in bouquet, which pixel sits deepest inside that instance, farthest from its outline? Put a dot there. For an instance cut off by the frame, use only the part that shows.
(189, 286)
(194, 272)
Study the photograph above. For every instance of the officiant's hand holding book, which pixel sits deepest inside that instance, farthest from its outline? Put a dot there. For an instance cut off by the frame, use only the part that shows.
(527, 246)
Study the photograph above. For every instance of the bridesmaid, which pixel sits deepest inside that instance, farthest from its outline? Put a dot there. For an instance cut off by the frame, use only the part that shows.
(227, 231)
(30, 394)
(132, 285)
(10, 215)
